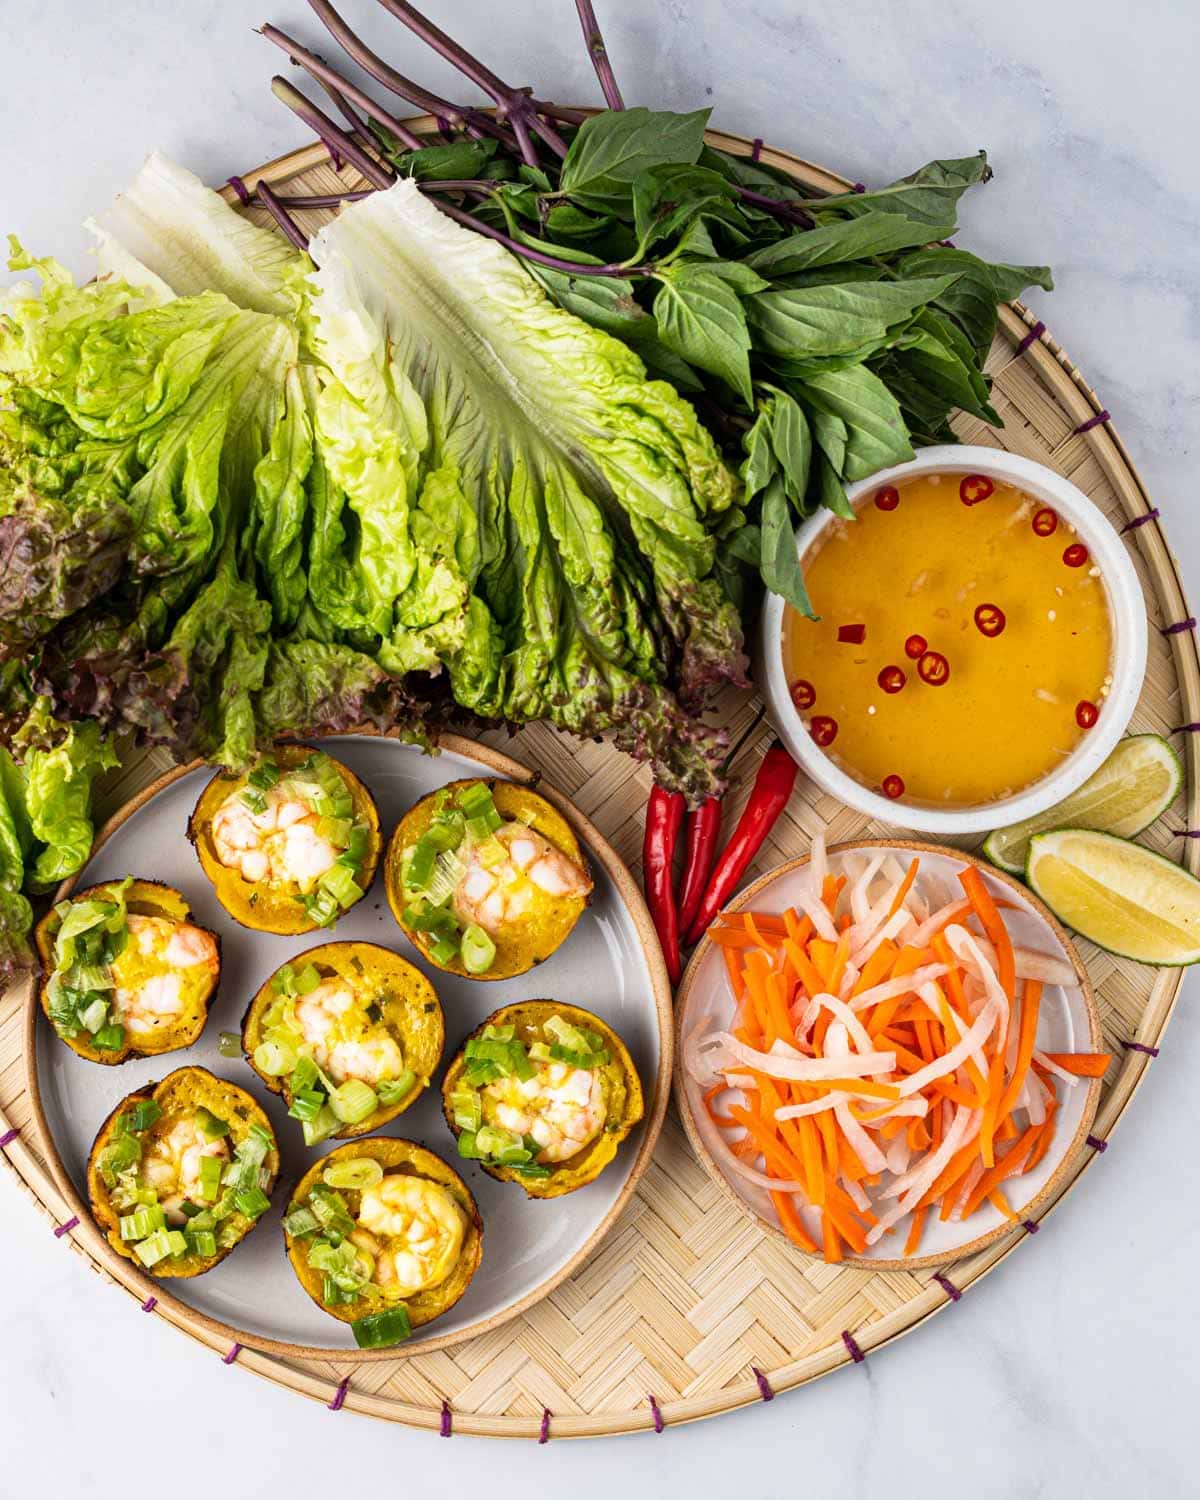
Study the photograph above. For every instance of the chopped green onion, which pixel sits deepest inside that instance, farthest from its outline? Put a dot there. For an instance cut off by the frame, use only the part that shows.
(490, 853)
(211, 1169)
(320, 1129)
(445, 950)
(275, 1056)
(306, 1104)
(357, 843)
(93, 1016)
(466, 1109)
(210, 1127)
(176, 1242)
(468, 1147)
(306, 980)
(122, 1153)
(201, 1242)
(300, 1222)
(478, 950)
(264, 776)
(382, 1329)
(479, 829)
(283, 980)
(304, 1075)
(493, 1139)
(229, 1044)
(322, 906)
(422, 917)
(360, 1172)
(392, 1090)
(331, 1211)
(586, 1060)
(253, 1202)
(254, 800)
(476, 799)
(109, 1038)
(353, 1101)
(445, 833)
(143, 1114)
(341, 885)
(532, 1170)
(335, 831)
(154, 1248)
(145, 1222)
(263, 1136)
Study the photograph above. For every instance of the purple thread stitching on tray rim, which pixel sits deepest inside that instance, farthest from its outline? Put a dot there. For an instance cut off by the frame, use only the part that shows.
(1151, 515)
(1097, 421)
(150, 1304)
(947, 1286)
(339, 1395)
(240, 189)
(1031, 1225)
(67, 1227)
(234, 1351)
(1141, 1046)
(756, 149)
(1030, 338)
(764, 1385)
(657, 1415)
(446, 1426)
(8, 1137)
(544, 1429)
(1096, 1143)
(1178, 627)
(851, 1344)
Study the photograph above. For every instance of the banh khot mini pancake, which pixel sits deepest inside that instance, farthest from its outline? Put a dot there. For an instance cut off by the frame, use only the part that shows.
(542, 1094)
(383, 1235)
(181, 1172)
(290, 844)
(486, 878)
(348, 1033)
(125, 972)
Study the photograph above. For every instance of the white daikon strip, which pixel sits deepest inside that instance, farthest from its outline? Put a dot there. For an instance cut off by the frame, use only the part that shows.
(976, 1035)
(890, 988)
(800, 1069)
(921, 935)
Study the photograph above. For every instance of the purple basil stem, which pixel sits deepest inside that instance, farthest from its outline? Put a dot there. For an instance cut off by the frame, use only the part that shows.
(598, 52)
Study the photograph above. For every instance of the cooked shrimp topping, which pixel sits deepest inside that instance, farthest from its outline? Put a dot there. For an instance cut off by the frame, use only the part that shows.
(561, 1108)
(334, 1021)
(171, 1165)
(495, 892)
(163, 965)
(278, 846)
(413, 1231)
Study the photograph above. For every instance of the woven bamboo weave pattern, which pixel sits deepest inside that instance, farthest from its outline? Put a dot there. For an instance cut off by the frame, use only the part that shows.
(688, 1309)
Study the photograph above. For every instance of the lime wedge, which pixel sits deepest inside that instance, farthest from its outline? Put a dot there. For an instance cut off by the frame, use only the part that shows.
(1118, 895)
(1135, 785)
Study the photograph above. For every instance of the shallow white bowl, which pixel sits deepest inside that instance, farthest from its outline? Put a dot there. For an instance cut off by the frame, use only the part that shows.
(1126, 608)
(1067, 1022)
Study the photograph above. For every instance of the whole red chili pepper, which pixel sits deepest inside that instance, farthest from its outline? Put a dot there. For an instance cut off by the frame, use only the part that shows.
(703, 826)
(772, 789)
(664, 818)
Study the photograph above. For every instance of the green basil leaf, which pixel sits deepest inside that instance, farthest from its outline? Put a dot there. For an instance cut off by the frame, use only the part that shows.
(459, 159)
(972, 297)
(759, 463)
(667, 198)
(827, 490)
(738, 275)
(876, 435)
(844, 240)
(611, 150)
(568, 221)
(938, 353)
(746, 545)
(791, 440)
(930, 195)
(605, 302)
(831, 435)
(701, 319)
(1008, 282)
(817, 320)
(696, 240)
(780, 559)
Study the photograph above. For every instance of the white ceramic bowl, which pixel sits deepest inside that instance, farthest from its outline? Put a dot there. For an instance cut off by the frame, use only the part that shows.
(1126, 607)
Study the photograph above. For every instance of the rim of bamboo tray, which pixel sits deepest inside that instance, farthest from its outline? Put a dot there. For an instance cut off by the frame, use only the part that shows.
(1054, 1183)
(145, 1286)
(1079, 401)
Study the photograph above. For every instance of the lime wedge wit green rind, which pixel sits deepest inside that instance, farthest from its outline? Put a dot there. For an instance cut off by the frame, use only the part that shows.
(1125, 899)
(1135, 785)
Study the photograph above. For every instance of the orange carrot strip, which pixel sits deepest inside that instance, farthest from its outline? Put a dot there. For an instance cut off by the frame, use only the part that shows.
(905, 886)
(804, 968)
(838, 967)
(793, 1225)
(831, 1246)
(916, 1226)
(781, 1027)
(778, 1157)
(877, 968)
(992, 922)
(717, 1119)
(1031, 999)
(1009, 1165)
(1082, 1064)
(998, 1200)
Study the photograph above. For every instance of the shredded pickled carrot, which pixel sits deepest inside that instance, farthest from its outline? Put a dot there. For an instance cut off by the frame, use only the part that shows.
(912, 1096)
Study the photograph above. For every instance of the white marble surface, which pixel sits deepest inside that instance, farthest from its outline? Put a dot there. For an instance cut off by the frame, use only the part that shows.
(1072, 1369)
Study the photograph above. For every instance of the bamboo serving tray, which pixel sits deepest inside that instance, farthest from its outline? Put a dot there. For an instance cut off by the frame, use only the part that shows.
(688, 1308)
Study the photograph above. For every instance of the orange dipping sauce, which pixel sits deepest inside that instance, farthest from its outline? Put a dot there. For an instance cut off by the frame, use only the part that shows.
(964, 647)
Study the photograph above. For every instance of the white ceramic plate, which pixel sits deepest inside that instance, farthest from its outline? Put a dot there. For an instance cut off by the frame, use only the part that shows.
(1067, 1023)
(528, 1246)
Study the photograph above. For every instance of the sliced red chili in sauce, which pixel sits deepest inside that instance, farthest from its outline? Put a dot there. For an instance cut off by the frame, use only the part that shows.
(916, 646)
(1086, 714)
(1075, 555)
(893, 787)
(990, 619)
(934, 669)
(823, 730)
(1045, 522)
(975, 487)
(891, 679)
(887, 498)
(852, 635)
(804, 695)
